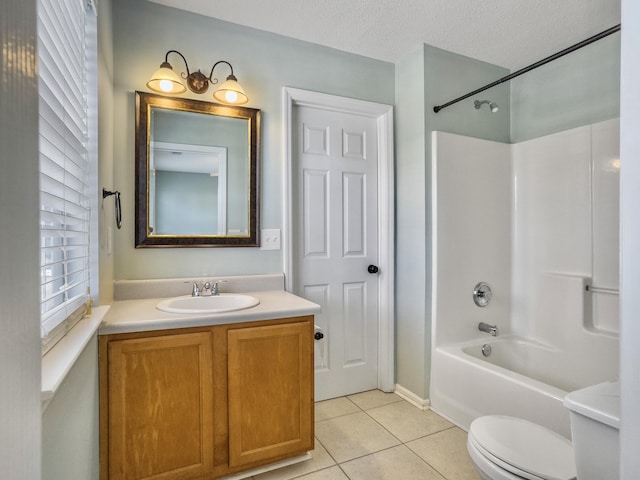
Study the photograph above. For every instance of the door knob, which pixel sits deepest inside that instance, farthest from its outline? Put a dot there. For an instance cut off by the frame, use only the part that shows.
(318, 336)
(372, 269)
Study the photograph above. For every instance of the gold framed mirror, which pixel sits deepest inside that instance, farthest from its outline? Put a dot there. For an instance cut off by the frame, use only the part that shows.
(197, 173)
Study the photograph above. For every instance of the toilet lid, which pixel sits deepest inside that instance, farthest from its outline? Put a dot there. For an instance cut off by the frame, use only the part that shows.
(525, 446)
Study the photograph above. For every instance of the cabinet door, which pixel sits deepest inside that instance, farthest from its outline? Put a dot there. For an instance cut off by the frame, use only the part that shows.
(270, 371)
(161, 407)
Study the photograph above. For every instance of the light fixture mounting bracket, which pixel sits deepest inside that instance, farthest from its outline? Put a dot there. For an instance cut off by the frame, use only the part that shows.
(197, 82)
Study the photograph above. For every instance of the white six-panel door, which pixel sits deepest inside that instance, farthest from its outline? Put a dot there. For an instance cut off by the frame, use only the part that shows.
(335, 240)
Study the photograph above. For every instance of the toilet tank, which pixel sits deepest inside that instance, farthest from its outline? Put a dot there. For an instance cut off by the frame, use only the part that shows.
(595, 425)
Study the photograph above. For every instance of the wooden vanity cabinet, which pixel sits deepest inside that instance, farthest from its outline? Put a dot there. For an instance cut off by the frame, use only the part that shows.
(270, 395)
(160, 401)
(204, 402)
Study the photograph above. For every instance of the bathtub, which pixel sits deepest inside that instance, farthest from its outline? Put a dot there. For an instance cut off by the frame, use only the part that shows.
(520, 378)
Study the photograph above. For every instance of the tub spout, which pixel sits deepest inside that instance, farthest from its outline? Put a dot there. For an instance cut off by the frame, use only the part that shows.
(490, 329)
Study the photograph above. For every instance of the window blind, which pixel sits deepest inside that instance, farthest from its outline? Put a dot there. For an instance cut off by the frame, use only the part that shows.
(65, 214)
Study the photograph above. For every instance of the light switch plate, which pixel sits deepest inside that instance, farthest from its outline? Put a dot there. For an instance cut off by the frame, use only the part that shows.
(270, 239)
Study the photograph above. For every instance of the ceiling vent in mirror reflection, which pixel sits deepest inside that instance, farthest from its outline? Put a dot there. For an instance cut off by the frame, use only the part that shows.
(192, 158)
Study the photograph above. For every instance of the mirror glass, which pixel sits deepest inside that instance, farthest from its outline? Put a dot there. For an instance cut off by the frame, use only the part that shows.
(196, 169)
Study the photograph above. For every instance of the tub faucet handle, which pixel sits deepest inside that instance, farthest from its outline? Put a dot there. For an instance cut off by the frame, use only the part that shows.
(482, 294)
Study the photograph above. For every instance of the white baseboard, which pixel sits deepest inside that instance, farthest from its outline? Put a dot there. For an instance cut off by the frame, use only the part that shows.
(412, 398)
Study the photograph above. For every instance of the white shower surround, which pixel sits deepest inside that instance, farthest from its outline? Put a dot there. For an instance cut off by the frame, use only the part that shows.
(538, 221)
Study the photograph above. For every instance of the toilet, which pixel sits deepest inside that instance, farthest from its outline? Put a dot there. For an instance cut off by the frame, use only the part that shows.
(595, 429)
(508, 448)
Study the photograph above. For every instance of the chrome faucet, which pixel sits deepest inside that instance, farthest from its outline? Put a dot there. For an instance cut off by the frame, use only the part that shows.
(215, 289)
(490, 329)
(207, 289)
(195, 289)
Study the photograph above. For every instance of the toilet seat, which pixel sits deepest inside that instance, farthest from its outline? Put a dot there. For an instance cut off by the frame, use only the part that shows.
(523, 448)
(487, 469)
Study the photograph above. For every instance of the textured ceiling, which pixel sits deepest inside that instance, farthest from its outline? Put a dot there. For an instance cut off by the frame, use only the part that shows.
(509, 33)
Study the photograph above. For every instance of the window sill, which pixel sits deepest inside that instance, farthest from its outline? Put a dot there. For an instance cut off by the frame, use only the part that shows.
(58, 361)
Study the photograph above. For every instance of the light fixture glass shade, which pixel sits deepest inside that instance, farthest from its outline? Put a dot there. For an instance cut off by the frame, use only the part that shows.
(231, 92)
(165, 80)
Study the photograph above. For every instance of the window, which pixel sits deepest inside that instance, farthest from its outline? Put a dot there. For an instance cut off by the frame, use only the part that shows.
(66, 62)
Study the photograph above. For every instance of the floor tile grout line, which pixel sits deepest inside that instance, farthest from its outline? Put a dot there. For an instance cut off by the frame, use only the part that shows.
(376, 452)
(360, 409)
(342, 415)
(384, 428)
(354, 403)
(401, 443)
(424, 460)
(399, 399)
(400, 440)
(318, 470)
(337, 416)
(335, 462)
(366, 454)
(384, 449)
(342, 470)
(430, 434)
(381, 426)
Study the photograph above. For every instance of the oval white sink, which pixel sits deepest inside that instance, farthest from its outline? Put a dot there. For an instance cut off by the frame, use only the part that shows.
(225, 302)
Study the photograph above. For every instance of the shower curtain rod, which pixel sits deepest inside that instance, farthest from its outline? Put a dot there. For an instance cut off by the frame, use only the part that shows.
(539, 63)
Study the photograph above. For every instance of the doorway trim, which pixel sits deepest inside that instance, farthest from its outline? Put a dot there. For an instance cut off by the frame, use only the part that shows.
(386, 221)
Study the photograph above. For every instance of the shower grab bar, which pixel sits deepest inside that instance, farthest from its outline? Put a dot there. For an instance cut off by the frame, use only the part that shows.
(610, 291)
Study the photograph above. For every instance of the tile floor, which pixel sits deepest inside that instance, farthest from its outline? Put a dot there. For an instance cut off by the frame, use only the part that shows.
(379, 436)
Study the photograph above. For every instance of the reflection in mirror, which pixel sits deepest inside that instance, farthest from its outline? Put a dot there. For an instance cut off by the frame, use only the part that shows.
(181, 179)
(196, 168)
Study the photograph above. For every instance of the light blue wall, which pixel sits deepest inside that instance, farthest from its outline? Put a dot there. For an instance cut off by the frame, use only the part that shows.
(411, 229)
(179, 200)
(264, 64)
(578, 89)
(70, 423)
(105, 148)
(430, 76)
(448, 76)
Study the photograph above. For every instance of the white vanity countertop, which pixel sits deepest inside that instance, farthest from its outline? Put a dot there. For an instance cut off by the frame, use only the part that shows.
(140, 315)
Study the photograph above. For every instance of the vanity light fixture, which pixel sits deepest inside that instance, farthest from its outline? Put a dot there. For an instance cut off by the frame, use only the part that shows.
(166, 80)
